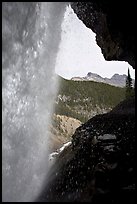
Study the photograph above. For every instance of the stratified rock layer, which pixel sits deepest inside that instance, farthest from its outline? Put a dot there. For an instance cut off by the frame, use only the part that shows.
(99, 165)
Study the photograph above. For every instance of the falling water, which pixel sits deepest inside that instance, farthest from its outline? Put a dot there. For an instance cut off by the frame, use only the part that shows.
(30, 39)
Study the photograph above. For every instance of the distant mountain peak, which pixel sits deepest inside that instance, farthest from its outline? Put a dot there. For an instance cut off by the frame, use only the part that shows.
(119, 76)
(89, 74)
(116, 80)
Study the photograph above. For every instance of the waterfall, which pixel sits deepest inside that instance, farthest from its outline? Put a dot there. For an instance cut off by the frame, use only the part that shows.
(31, 33)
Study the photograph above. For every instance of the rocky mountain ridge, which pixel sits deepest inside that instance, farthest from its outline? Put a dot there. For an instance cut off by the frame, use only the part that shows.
(116, 80)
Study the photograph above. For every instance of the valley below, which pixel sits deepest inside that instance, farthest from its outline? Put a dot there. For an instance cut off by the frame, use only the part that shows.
(77, 102)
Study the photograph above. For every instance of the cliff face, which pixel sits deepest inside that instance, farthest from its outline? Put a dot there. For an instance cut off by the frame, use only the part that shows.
(99, 165)
(113, 24)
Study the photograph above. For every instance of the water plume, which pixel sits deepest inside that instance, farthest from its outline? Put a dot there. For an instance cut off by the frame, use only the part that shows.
(30, 39)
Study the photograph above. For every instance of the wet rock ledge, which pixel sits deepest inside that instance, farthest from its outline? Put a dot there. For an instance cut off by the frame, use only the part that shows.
(99, 165)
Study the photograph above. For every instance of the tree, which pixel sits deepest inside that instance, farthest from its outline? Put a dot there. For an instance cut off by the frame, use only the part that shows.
(129, 88)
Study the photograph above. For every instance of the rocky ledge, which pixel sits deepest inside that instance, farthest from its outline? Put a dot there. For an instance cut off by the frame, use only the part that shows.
(99, 165)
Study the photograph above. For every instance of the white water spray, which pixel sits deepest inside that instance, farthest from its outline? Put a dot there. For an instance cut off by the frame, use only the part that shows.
(30, 39)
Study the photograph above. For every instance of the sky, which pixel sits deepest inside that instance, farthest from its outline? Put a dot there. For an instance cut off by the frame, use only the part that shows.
(79, 54)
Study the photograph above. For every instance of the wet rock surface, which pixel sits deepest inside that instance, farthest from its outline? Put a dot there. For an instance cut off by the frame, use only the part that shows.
(113, 22)
(99, 165)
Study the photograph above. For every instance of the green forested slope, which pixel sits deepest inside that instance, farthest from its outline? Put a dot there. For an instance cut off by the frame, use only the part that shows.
(84, 99)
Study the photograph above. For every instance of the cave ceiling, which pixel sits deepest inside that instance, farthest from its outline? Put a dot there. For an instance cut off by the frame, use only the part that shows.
(114, 26)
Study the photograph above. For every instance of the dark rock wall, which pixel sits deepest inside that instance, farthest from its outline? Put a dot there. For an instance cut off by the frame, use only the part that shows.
(99, 166)
(114, 25)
